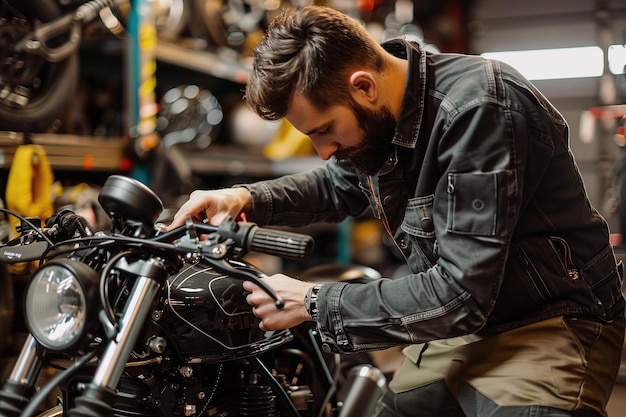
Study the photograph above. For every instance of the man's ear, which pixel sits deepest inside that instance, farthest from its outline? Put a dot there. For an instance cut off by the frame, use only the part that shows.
(363, 85)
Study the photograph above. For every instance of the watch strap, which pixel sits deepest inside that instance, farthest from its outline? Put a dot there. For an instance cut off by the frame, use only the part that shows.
(310, 301)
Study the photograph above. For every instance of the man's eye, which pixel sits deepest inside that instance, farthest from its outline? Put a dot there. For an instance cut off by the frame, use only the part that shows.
(324, 131)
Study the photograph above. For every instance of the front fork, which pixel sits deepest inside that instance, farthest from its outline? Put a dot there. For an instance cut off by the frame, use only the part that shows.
(19, 387)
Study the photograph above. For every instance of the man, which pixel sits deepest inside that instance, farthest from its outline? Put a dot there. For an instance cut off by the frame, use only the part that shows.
(513, 306)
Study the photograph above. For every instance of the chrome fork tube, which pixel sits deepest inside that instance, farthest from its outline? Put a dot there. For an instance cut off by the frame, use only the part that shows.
(28, 364)
(113, 360)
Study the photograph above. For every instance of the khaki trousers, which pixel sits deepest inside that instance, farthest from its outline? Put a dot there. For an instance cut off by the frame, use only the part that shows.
(557, 367)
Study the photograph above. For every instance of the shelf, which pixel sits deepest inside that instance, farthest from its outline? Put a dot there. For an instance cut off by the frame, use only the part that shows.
(238, 161)
(222, 63)
(70, 152)
(89, 153)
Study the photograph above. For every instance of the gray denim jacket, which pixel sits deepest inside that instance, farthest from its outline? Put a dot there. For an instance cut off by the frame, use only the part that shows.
(482, 197)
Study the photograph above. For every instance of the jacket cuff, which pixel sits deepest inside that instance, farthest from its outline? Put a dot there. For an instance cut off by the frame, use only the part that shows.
(261, 211)
(329, 323)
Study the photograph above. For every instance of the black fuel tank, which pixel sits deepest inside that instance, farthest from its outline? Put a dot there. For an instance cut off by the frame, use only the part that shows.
(208, 319)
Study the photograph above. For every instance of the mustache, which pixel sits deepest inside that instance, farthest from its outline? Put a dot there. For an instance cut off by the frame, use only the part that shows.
(347, 153)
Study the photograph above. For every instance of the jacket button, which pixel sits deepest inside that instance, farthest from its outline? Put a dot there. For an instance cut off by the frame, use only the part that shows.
(478, 205)
(427, 224)
(387, 200)
(403, 244)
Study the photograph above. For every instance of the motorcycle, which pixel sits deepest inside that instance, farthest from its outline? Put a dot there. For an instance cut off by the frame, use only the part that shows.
(141, 321)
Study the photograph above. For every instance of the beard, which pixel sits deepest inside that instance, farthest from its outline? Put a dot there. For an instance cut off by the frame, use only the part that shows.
(372, 151)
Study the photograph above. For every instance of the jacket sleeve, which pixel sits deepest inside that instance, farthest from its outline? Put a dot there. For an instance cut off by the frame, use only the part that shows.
(329, 193)
(477, 201)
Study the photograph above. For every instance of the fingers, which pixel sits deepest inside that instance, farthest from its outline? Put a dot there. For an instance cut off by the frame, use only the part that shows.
(199, 207)
(256, 296)
(213, 205)
(184, 213)
(262, 304)
(264, 307)
(249, 286)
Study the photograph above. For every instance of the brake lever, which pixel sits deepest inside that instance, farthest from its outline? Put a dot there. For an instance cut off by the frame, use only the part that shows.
(222, 266)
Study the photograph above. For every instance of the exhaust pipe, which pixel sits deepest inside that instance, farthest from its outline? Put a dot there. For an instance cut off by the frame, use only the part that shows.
(364, 386)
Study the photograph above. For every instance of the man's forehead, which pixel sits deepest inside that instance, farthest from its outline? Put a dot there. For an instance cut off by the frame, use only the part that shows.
(302, 114)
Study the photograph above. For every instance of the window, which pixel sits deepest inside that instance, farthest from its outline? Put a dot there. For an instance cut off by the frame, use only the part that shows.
(560, 63)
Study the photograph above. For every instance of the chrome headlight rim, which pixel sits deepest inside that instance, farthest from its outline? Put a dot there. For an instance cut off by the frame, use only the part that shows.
(85, 280)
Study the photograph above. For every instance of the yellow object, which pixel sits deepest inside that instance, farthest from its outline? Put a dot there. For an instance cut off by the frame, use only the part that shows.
(29, 188)
(288, 142)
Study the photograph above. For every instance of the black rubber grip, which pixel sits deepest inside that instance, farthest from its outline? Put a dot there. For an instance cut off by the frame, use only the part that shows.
(280, 243)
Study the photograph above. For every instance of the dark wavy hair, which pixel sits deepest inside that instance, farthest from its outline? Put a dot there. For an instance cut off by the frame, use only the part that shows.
(310, 51)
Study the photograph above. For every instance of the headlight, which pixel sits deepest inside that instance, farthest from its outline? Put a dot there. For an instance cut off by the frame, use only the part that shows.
(58, 297)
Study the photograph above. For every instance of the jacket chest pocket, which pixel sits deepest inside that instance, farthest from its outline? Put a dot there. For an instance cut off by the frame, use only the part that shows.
(478, 203)
(417, 237)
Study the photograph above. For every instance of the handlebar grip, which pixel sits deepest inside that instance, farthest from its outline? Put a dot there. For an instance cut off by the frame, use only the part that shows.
(279, 243)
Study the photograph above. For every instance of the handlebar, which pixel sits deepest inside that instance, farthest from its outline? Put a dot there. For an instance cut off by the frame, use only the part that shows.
(229, 240)
(242, 237)
(249, 238)
(252, 238)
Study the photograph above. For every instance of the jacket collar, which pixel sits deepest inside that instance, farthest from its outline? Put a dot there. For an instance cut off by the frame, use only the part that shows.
(412, 109)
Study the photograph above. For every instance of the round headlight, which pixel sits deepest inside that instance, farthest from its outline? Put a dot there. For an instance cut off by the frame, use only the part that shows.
(57, 300)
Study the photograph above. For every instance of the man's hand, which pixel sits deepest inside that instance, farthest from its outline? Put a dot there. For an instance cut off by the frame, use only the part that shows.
(291, 291)
(213, 206)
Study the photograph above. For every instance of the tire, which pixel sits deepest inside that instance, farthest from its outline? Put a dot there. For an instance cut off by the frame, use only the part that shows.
(37, 116)
(51, 85)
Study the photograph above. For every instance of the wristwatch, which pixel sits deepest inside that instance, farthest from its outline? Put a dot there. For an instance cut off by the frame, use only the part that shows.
(310, 301)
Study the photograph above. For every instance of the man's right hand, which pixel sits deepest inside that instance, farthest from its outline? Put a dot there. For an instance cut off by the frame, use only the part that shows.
(213, 206)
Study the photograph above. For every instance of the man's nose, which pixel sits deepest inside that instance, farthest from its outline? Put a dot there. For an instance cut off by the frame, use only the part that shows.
(325, 150)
